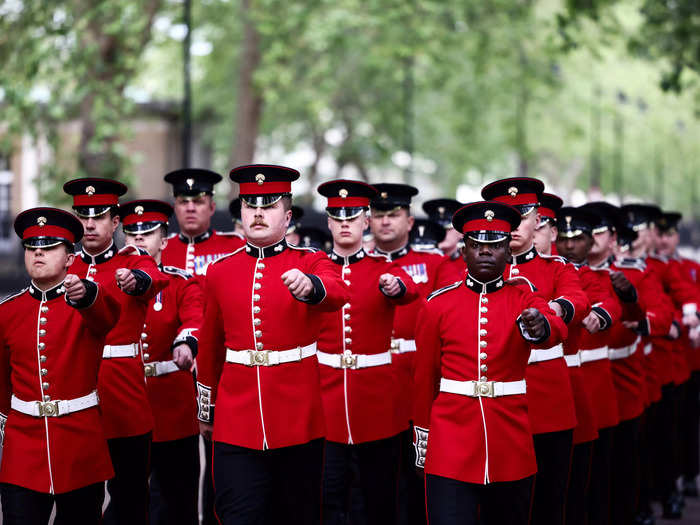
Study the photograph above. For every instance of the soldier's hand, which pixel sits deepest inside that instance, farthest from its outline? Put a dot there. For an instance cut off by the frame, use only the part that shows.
(182, 355)
(75, 288)
(674, 332)
(125, 279)
(691, 320)
(206, 430)
(389, 284)
(621, 284)
(557, 308)
(298, 284)
(591, 323)
(533, 321)
(632, 325)
(694, 336)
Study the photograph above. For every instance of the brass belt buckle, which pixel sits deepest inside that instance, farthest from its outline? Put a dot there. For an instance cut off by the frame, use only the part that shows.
(348, 361)
(483, 388)
(395, 347)
(259, 358)
(48, 408)
(149, 369)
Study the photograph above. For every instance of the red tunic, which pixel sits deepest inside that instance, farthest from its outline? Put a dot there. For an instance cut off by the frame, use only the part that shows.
(263, 407)
(463, 328)
(691, 271)
(173, 317)
(53, 454)
(192, 254)
(362, 404)
(422, 266)
(122, 385)
(549, 394)
(452, 269)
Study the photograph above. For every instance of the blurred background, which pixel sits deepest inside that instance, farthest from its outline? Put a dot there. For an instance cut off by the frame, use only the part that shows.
(599, 98)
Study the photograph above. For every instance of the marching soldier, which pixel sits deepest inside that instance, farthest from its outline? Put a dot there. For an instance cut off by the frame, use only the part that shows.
(51, 339)
(474, 337)
(545, 238)
(169, 344)
(550, 398)
(359, 388)
(197, 244)
(132, 277)
(390, 222)
(577, 226)
(258, 379)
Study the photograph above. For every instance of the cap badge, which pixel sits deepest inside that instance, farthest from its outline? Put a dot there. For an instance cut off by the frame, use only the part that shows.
(90, 190)
(384, 195)
(190, 183)
(139, 210)
(568, 220)
(512, 191)
(343, 193)
(260, 178)
(441, 210)
(41, 221)
(421, 230)
(489, 214)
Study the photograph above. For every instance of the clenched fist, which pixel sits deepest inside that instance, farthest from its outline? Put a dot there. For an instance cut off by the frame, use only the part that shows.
(298, 283)
(621, 284)
(125, 280)
(182, 356)
(75, 288)
(591, 323)
(533, 322)
(389, 284)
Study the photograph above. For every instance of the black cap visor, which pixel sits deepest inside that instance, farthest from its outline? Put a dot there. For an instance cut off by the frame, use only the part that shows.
(87, 212)
(46, 242)
(487, 237)
(263, 201)
(345, 213)
(143, 227)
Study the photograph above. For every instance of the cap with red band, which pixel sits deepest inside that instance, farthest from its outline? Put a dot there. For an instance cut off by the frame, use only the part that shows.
(143, 216)
(262, 185)
(346, 198)
(486, 221)
(93, 197)
(522, 192)
(46, 227)
(549, 204)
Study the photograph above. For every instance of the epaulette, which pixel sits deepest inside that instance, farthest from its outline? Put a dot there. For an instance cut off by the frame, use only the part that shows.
(130, 249)
(378, 256)
(557, 258)
(444, 289)
(512, 282)
(230, 234)
(658, 257)
(427, 250)
(172, 235)
(631, 263)
(303, 248)
(14, 295)
(174, 270)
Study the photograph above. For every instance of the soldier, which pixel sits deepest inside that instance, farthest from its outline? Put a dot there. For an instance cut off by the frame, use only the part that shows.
(359, 387)
(550, 398)
(132, 277)
(197, 244)
(391, 222)
(426, 235)
(312, 237)
(169, 345)
(51, 339)
(474, 337)
(575, 242)
(546, 231)
(257, 364)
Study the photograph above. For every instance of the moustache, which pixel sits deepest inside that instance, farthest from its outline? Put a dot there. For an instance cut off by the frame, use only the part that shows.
(258, 223)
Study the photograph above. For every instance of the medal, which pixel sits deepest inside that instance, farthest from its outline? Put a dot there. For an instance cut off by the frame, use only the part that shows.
(158, 307)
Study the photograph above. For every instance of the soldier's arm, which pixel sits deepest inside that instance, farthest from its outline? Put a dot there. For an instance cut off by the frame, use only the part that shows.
(657, 307)
(329, 293)
(410, 289)
(568, 292)
(190, 310)
(555, 329)
(149, 279)
(99, 310)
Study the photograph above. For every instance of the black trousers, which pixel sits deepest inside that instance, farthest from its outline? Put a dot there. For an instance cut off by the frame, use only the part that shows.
(411, 486)
(378, 469)
(553, 452)
(577, 492)
(646, 458)
(452, 502)
(665, 445)
(268, 487)
(175, 479)
(691, 428)
(599, 487)
(128, 489)
(624, 481)
(22, 506)
(208, 515)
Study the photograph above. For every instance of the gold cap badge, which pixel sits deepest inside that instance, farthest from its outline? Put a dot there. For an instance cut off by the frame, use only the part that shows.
(41, 221)
(90, 190)
(139, 210)
(489, 214)
(190, 183)
(260, 178)
(384, 195)
(441, 210)
(343, 193)
(512, 191)
(568, 220)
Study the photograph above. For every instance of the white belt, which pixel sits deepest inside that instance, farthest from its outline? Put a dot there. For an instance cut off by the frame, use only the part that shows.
(110, 351)
(573, 360)
(159, 368)
(482, 388)
(586, 356)
(54, 408)
(401, 346)
(354, 360)
(538, 355)
(648, 349)
(269, 357)
(624, 352)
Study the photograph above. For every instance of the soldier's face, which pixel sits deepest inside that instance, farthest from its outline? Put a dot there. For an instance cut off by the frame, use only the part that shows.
(47, 265)
(544, 237)
(603, 244)
(575, 249)
(522, 236)
(153, 242)
(98, 232)
(390, 226)
(265, 226)
(348, 233)
(486, 260)
(194, 213)
(668, 242)
(449, 244)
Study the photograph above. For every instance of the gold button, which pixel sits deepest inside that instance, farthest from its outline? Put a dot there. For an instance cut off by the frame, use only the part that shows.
(258, 333)
(145, 345)
(42, 333)
(346, 270)
(256, 309)
(347, 282)
(515, 271)
(258, 275)
(484, 368)
(261, 265)
(258, 346)
(483, 320)
(483, 332)
(348, 329)
(256, 297)
(144, 335)
(42, 359)
(257, 322)
(44, 309)
(347, 305)
(348, 340)
(42, 346)
(44, 371)
(484, 309)
(47, 398)
(45, 386)
(146, 356)
(483, 344)
(42, 320)
(346, 317)
(483, 356)
(257, 286)
(483, 378)
(484, 300)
